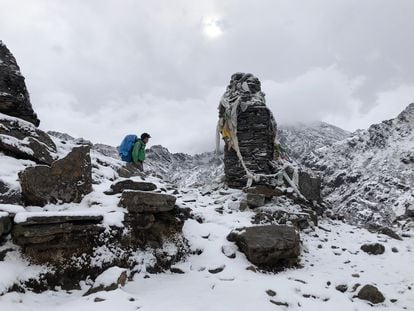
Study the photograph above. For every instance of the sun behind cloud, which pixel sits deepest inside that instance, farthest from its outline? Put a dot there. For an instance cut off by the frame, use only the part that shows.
(211, 27)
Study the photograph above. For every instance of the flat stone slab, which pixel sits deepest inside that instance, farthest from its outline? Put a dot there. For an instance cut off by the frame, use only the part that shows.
(128, 184)
(41, 218)
(271, 247)
(146, 202)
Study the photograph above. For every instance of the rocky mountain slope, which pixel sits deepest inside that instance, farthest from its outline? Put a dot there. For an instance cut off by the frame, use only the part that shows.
(369, 176)
(302, 138)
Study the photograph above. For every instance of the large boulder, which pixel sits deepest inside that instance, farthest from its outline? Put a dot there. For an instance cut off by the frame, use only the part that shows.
(373, 249)
(22, 140)
(53, 239)
(14, 97)
(271, 247)
(67, 180)
(147, 202)
(371, 294)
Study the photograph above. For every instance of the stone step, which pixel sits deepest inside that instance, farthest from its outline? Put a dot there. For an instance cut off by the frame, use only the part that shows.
(146, 202)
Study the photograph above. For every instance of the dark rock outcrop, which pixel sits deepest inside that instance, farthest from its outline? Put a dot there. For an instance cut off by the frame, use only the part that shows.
(271, 247)
(23, 140)
(255, 126)
(14, 97)
(54, 239)
(67, 180)
(128, 184)
(371, 294)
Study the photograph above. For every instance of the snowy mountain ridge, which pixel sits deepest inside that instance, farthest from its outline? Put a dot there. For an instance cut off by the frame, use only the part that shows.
(369, 176)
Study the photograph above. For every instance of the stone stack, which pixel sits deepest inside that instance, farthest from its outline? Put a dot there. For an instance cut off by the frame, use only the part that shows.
(55, 239)
(14, 97)
(151, 219)
(256, 129)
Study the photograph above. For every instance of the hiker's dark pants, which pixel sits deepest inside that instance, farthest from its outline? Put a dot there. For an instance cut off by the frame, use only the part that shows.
(139, 165)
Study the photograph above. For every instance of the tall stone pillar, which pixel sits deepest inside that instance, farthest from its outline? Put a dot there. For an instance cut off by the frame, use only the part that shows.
(248, 125)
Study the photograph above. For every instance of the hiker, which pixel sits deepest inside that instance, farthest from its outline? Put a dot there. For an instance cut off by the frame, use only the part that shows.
(138, 152)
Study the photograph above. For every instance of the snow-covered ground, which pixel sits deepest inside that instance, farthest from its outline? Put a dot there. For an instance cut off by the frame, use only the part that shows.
(331, 256)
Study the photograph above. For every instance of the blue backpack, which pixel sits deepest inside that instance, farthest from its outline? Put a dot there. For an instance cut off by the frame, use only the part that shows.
(125, 149)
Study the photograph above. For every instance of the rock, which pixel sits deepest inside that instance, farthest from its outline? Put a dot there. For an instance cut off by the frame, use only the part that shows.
(373, 249)
(23, 140)
(278, 303)
(5, 224)
(140, 221)
(176, 270)
(371, 294)
(4, 252)
(409, 211)
(342, 288)
(267, 191)
(301, 220)
(271, 293)
(128, 184)
(146, 202)
(384, 230)
(9, 195)
(97, 299)
(14, 97)
(256, 129)
(310, 186)
(111, 279)
(243, 205)
(217, 269)
(394, 250)
(228, 251)
(255, 200)
(67, 180)
(53, 239)
(271, 247)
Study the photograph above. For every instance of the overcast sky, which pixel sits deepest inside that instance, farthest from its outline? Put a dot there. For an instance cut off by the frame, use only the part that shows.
(101, 69)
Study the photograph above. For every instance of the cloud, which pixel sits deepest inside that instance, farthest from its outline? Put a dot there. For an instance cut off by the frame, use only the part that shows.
(326, 59)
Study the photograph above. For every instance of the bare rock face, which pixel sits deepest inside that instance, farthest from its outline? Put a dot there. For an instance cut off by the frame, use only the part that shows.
(22, 140)
(243, 113)
(271, 247)
(67, 180)
(14, 97)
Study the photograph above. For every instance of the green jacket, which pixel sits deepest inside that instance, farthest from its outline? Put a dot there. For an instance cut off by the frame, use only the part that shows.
(138, 153)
